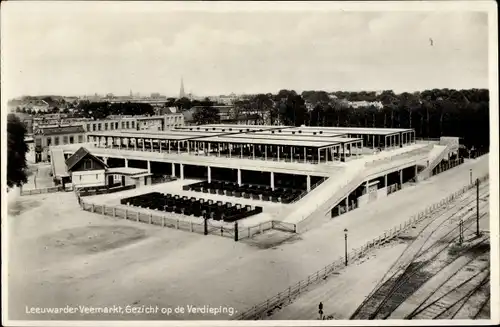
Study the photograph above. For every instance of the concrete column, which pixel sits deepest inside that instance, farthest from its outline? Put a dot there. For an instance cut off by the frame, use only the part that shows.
(126, 162)
(265, 152)
(305, 155)
(366, 187)
(168, 144)
(347, 204)
(159, 142)
(209, 149)
(308, 183)
(105, 159)
(401, 177)
(253, 151)
(318, 156)
(135, 144)
(182, 171)
(239, 177)
(291, 153)
(143, 145)
(173, 169)
(149, 167)
(272, 181)
(188, 146)
(209, 175)
(218, 149)
(241, 151)
(385, 178)
(178, 147)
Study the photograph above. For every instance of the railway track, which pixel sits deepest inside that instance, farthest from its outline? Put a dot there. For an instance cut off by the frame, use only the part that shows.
(414, 267)
(450, 297)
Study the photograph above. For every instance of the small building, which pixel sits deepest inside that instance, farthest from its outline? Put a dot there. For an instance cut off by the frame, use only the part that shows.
(56, 135)
(86, 170)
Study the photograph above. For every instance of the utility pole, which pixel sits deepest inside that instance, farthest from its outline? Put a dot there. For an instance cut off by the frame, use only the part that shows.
(345, 238)
(477, 207)
(460, 228)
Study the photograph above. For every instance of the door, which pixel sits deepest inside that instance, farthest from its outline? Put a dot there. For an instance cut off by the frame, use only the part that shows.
(110, 180)
(123, 180)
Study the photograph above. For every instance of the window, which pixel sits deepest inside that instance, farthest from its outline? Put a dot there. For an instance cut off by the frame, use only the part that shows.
(116, 125)
(49, 140)
(80, 138)
(56, 140)
(99, 126)
(71, 140)
(88, 127)
(105, 126)
(87, 164)
(111, 126)
(96, 176)
(38, 142)
(65, 139)
(123, 124)
(127, 125)
(80, 177)
(133, 123)
(94, 127)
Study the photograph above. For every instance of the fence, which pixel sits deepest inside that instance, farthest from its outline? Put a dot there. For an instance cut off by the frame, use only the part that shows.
(444, 166)
(288, 294)
(233, 231)
(45, 190)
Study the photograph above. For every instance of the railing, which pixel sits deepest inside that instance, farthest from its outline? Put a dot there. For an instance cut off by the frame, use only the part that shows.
(304, 193)
(444, 167)
(408, 154)
(287, 295)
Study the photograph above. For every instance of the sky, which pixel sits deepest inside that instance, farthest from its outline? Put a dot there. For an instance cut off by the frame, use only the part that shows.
(86, 48)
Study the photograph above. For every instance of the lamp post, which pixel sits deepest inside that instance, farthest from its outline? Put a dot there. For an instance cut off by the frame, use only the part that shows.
(470, 175)
(345, 239)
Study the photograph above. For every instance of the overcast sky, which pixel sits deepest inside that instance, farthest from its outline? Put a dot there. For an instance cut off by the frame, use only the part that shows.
(83, 48)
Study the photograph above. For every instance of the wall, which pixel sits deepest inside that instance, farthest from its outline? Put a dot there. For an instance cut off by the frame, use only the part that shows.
(88, 178)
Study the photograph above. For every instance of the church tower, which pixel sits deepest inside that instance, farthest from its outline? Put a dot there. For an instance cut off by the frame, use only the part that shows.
(181, 93)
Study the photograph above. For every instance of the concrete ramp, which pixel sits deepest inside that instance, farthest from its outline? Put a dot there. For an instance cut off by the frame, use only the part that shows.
(437, 154)
(333, 190)
(58, 163)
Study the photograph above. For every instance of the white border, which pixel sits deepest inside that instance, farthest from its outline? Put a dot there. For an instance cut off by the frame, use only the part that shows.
(486, 6)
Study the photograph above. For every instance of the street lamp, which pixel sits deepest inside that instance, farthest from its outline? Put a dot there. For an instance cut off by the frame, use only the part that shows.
(345, 238)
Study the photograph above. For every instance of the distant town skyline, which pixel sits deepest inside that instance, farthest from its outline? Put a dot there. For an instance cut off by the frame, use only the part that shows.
(83, 48)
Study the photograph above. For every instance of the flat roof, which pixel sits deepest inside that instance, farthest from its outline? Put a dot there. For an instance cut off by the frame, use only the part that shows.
(126, 171)
(268, 141)
(297, 137)
(355, 130)
(156, 135)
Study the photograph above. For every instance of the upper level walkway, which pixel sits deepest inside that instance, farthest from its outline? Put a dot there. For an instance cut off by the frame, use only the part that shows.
(287, 167)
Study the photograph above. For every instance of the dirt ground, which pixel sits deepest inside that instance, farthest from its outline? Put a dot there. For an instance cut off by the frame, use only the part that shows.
(62, 256)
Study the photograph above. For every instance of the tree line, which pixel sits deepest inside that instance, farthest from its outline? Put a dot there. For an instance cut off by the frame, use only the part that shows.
(431, 113)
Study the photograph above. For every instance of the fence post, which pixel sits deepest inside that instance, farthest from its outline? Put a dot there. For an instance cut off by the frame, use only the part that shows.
(236, 231)
(177, 224)
(92, 208)
(137, 217)
(114, 212)
(162, 221)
